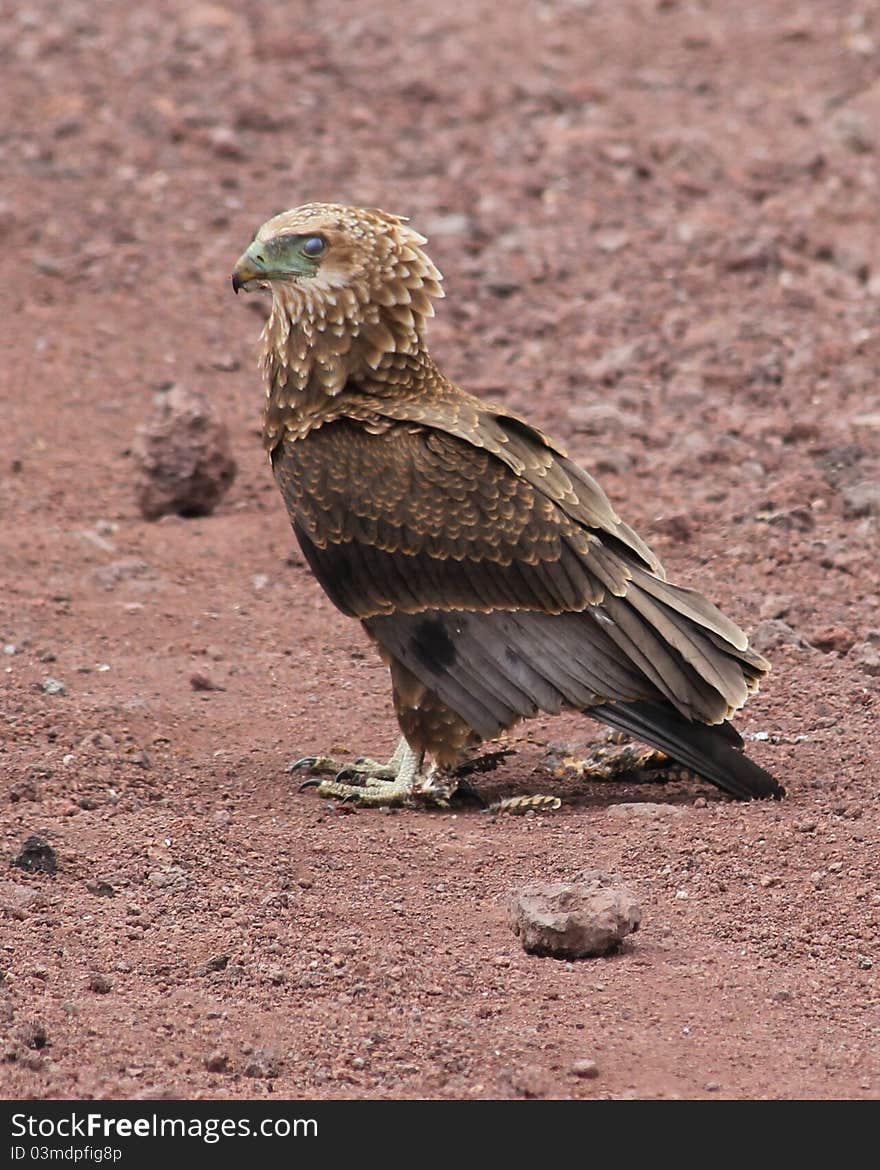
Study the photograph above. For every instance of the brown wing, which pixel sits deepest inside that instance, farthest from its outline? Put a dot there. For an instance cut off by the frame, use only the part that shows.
(525, 450)
(505, 590)
(412, 518)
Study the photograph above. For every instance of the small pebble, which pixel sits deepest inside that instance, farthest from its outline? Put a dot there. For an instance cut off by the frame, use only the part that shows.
(263, 1065)
(219, 963)
(531, 1082)
(33, 1035)
(100, 889)
(588, 1069)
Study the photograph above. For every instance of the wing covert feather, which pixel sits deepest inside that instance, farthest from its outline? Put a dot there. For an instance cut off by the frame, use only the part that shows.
(520, 549)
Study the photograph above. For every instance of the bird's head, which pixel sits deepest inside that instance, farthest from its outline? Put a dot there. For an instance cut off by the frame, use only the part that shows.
(350, 286)
(320, 254)
(331, 247)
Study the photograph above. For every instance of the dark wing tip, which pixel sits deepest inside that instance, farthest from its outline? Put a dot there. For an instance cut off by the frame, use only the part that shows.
(708, 750)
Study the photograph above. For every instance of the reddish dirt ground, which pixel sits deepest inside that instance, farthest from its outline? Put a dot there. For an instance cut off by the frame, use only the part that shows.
(657, 222)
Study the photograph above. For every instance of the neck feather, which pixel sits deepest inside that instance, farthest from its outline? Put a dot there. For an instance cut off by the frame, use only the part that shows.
(320, 339)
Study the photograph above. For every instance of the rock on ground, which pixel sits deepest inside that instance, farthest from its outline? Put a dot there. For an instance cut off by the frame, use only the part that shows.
(36, 856)
(862, 499)
(185, 465)
(574, 920)
(867, 656)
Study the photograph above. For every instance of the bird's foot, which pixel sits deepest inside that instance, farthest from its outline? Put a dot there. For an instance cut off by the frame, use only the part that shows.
(371, 770)
(609, 761)
(376, 785)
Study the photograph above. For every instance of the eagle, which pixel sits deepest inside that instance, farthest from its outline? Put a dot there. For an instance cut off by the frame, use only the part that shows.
(490, 570)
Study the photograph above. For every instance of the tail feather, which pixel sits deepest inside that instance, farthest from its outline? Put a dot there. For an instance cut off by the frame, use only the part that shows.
(493, 669)
(710, 751)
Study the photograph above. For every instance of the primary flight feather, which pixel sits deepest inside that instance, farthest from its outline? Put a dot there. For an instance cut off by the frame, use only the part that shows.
(490, 570)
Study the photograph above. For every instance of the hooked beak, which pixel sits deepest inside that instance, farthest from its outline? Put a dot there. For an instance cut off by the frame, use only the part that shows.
(251, 265)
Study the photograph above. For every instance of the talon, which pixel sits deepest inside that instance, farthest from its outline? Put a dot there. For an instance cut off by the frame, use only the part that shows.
(371, 784)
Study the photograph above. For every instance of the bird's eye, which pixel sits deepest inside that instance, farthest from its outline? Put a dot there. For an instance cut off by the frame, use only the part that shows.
(314, 246)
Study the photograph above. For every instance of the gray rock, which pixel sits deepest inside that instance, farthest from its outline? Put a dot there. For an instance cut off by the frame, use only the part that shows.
(20, 900)
(862, 499)
(574, 920)
(33, 1034)
(776, 605)
(185, 465)
(100, 889)
(264, 1065)
(855, 131)
(773, 633)
(217, 1062)
(531, 1082)
(109, 576)
(36, 856)
(173, 878)
(867, 656)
